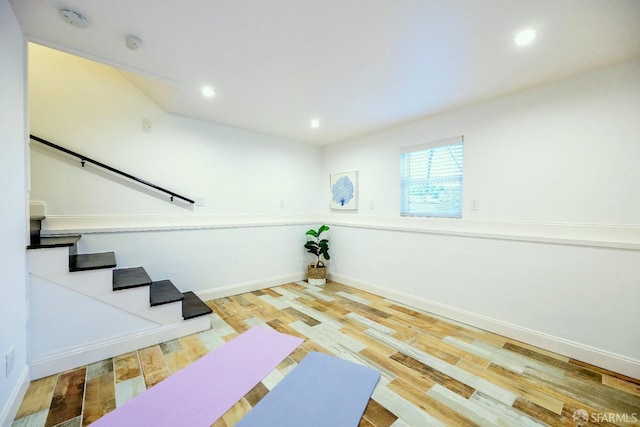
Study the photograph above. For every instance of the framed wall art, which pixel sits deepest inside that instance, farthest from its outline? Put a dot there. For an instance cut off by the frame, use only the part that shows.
(344, 190)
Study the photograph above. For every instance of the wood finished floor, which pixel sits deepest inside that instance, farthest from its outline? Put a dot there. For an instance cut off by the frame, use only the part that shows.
(433, 371)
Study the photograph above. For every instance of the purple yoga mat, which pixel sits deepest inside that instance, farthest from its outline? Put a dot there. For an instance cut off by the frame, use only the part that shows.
(202, 392)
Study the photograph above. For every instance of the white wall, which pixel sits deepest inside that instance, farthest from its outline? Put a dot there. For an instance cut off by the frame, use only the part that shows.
(49, 325)
(564, 153)
(578, 301)
(210, 260)
(13, 303)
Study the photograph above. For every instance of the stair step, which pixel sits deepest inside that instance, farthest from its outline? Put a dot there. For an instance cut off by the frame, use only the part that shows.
(55, 242)
(192, 306)
(127, 278)
(35, 225)
(164, 292)
(92, 261)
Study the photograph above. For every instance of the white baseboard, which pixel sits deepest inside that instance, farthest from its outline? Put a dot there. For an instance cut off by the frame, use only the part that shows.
(74, 357)
(598, 357)
(10, 409)
(242, 288)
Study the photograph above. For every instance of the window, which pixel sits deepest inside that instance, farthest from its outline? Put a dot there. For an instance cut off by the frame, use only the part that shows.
(431, 179)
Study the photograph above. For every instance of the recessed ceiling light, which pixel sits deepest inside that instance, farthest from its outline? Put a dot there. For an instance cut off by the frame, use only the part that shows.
(315, 123)
(525, 37)
(207, 91)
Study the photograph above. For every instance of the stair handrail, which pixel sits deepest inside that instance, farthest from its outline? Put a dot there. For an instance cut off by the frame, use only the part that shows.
(84, 159)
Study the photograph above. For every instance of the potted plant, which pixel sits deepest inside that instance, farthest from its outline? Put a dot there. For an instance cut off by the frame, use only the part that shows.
(317, 271)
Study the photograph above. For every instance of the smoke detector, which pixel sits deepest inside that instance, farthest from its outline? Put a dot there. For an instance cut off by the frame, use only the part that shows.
(74, 18)
(133, 42)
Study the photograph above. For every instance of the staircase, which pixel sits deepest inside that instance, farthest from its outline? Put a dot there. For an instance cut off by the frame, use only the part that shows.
(168, 312)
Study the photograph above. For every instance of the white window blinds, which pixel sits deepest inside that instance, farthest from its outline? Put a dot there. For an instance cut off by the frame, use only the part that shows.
(431, 179)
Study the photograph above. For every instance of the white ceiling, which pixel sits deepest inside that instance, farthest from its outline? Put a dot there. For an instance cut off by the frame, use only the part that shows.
(357, 65)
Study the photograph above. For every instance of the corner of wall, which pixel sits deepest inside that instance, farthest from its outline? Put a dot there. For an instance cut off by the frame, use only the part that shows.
(10, 409)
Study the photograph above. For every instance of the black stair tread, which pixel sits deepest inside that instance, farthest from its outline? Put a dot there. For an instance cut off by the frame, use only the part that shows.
(127, 278)
(56, 242)
(192, 306)
(164, 292)
(92, 261)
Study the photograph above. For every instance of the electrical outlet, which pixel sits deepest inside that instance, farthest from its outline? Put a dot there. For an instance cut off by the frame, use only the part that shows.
(10, 360)
(475, 205)
(372, 204)
(281, 204)
(201, 201)
(146, 125)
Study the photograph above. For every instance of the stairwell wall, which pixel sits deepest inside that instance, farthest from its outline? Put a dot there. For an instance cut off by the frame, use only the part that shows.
(258, 190)
(13, 223)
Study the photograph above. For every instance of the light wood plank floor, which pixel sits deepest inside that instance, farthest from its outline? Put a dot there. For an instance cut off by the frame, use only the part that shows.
(433, 371)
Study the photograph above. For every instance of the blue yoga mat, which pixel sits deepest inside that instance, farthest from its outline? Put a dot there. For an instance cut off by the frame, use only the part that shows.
(321, 391)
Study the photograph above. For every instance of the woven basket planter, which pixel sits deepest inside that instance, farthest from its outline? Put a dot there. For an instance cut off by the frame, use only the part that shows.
(317, 275)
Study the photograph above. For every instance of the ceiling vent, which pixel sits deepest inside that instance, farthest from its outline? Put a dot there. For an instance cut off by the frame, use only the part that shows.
(73, 17)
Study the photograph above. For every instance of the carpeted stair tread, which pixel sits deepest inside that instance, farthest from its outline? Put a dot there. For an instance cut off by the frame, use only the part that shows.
(55, 242)
(164, 292)
(95, 261)
(127, 278)
(192, 306)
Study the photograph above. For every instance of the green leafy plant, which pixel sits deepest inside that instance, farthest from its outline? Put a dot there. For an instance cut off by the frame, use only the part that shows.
(318, 246)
